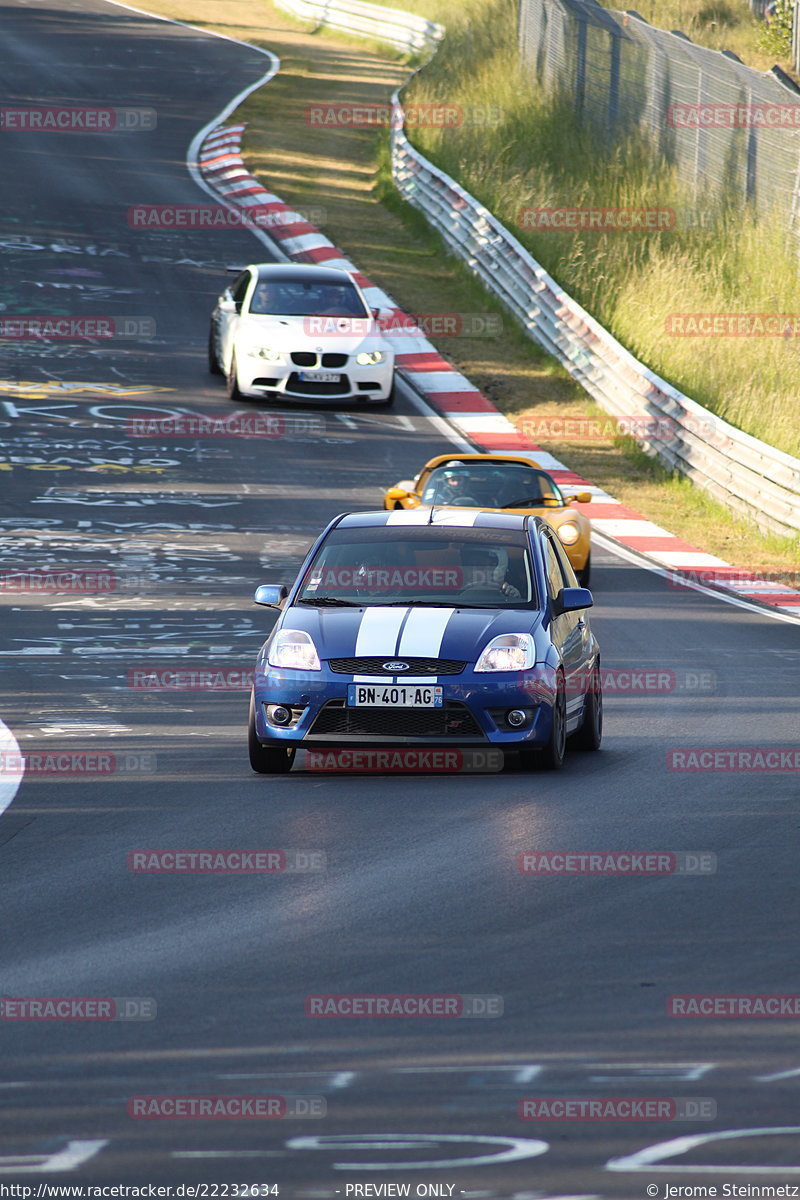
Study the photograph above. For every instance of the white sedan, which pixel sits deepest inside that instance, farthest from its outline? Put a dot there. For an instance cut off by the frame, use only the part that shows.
(298, 332)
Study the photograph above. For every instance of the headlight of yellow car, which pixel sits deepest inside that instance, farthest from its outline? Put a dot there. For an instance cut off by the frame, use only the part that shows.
(569, 533)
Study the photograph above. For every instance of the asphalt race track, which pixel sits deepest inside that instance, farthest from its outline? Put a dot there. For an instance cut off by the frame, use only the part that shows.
(420, 891)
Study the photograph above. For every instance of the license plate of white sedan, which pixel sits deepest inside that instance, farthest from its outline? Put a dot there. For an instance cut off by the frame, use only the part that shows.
(320, 376)
(360, 695)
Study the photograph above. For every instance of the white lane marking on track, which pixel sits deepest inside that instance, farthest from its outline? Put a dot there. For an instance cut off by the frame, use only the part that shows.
(515, 1149)
(228, 1154)
(10, 757)
(73, 1154)
(651, 1158)
(669, 573)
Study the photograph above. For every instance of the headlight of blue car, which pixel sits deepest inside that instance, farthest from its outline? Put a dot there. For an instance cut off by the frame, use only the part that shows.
(293, 648)
(508, 652)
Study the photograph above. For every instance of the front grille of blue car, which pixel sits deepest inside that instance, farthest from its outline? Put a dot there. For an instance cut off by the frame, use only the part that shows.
(452, 721)
(416, 666)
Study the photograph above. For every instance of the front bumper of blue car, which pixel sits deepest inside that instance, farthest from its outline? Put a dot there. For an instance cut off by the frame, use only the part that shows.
(311, 709)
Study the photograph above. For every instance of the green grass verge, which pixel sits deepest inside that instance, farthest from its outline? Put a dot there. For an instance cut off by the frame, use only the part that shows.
(717, 259)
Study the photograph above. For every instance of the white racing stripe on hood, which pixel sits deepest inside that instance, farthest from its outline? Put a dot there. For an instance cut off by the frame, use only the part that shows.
(378, 634)
(422, 638)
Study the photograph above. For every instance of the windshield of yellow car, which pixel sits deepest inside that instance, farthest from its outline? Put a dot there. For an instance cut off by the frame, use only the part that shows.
(491, 485)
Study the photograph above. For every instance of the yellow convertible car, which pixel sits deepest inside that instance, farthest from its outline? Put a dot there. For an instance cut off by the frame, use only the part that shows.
(504, 483)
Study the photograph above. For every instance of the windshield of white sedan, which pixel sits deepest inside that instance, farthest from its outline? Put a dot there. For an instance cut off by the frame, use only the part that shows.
(490, 485)
(480, 568)
(307, 298)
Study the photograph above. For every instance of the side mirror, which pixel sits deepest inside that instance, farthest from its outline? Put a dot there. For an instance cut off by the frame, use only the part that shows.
(397, 493)
(573, 599)
(228, 306)
(272, 595)
(580, 498)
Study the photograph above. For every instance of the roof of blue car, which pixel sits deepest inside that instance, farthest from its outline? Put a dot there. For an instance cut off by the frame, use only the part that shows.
(455, 518)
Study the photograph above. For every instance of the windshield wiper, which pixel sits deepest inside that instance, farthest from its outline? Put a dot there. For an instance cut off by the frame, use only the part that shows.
(332, 601)
(428, 604)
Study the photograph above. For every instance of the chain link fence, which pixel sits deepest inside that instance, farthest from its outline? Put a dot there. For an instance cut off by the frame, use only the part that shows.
(734, 132)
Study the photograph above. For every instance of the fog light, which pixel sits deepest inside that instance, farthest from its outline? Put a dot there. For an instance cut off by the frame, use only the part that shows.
(278, 714)
(517, 717)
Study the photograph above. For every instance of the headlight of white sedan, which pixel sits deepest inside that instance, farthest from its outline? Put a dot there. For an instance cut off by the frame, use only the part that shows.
(369, 358)
(293, 648)
(568, 533)
(265, 353)
(508, 652)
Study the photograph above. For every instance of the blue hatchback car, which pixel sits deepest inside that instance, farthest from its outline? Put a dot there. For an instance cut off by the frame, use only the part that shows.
(431, 627)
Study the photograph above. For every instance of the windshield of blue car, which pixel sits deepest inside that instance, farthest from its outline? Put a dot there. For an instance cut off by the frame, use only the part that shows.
(428, 565)
(491, 485)
(299, 298)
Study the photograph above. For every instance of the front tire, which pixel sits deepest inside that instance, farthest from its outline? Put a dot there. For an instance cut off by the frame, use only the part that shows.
(551, 756)
(585, 575)
(232, 381)
(213, 361)
(590, 734)
(266, 760)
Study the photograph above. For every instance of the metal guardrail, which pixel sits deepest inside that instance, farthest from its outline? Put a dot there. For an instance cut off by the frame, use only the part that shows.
(746, 474)
(403, 30)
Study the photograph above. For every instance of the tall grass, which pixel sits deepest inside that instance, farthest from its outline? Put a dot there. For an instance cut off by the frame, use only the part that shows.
(716, 260)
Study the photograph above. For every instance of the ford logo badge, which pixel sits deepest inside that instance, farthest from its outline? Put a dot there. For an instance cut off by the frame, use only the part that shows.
(395, 666)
